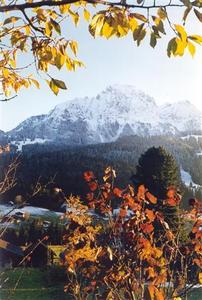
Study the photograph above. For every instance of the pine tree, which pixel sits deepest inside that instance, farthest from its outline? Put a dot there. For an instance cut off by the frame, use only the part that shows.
(157, 170)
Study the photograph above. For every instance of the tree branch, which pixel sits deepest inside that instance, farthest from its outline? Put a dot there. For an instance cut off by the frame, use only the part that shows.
(31, 23)
(22, 7)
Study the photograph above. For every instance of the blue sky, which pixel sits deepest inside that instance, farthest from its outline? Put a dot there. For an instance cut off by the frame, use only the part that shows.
(109, 62)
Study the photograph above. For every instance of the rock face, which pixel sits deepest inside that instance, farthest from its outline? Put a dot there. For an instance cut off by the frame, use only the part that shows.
(115, 112)
(3, 137)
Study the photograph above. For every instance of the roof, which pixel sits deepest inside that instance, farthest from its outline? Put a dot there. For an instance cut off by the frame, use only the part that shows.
(11, 248)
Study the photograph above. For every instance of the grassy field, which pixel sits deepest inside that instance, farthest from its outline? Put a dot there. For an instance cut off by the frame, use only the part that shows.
(43, 284)
(33, 284)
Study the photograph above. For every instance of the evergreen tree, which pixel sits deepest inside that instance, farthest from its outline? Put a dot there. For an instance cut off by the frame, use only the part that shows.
(157, 170)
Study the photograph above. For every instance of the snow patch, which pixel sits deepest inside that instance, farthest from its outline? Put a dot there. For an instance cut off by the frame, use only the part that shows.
(187, 180)
(186, 137)
(20, 144)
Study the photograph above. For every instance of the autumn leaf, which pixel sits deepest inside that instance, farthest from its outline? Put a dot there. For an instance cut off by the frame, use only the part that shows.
(151, 198)
(150, 215)
(117, 192)
(151, 289)
(86, 14)
(147, 227)
(141, 192)
(93, 186)
(88, 176)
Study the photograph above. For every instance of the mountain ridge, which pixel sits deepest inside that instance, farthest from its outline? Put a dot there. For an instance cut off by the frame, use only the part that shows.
(117, 111)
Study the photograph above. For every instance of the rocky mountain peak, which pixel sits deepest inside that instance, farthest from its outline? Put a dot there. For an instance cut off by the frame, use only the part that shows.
(117, 111)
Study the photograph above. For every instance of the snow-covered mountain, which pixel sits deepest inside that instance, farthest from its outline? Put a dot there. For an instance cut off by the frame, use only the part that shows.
(117, 111)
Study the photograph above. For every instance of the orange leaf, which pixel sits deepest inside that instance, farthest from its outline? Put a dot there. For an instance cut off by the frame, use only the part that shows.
(151, 198)
(159, 294)
(151, 289)
(147, 227)
(150, 215)
(141, 192)
(117, 192)
(172, 202)
(171, 192)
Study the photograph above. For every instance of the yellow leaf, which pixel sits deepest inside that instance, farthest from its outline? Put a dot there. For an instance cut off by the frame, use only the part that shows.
(12, 63)
(107, 30)
(96, 24)
(48, 29)
(191, 48)
(35, 82)
(133, 23)
(56, 26)
(162, 13)
(5, 73)
(59, 83)
(86, 14)
(140, 17)
(196, 38)
(122, 30)
(59, 60)
(182, 33)
(75, 16)
(180, 47)
(74, 47)
(109, 250)
(64, 8)
(53, 86)
(99, 25)
(27, 30)
(11, 20)
(172, 46)
(200, 277)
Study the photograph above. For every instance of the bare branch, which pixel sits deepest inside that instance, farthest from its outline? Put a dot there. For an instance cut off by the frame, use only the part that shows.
(9, 180)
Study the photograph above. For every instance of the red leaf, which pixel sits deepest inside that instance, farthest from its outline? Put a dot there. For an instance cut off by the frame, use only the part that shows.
(117, 192)
(147, 227)
(88, 176)
(93, 186)
(90, 196)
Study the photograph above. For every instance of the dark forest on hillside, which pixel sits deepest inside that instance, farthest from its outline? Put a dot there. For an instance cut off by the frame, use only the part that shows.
(66, 164)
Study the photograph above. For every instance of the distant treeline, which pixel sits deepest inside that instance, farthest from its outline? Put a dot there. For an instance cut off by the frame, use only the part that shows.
(68, 163)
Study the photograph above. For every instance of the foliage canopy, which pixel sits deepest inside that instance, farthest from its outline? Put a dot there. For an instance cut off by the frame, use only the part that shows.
(36, 28)
(135, 254)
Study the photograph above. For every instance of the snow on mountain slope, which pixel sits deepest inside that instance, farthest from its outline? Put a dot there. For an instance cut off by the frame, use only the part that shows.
(117, 111)
(182, 115)
(187, 179)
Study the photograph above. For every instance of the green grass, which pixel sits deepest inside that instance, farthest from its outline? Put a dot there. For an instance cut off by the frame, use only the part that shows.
(43, 284)
(33, 284)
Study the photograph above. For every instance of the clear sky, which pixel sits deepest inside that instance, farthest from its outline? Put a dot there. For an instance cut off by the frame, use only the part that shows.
(110, 62)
